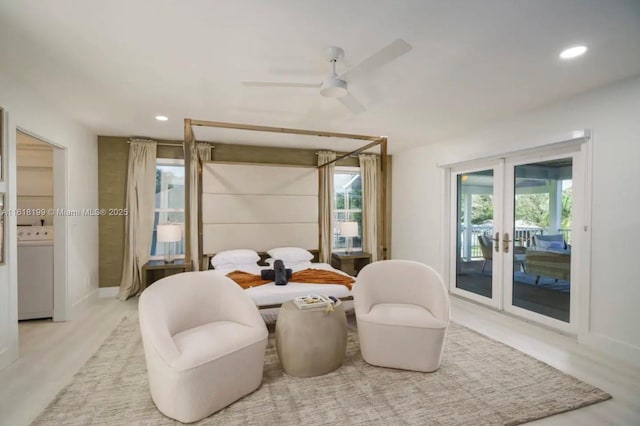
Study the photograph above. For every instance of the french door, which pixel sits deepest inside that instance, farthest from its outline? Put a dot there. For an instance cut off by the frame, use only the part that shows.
(513, 233)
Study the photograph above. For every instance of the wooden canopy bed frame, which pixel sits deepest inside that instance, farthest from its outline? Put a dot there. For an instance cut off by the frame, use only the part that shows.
(189, 142)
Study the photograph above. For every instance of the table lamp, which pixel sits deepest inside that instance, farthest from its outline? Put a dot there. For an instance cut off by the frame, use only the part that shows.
(169, 233)
(349, 230)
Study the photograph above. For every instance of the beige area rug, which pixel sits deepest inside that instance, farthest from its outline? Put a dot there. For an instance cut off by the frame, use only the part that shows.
(480, 382)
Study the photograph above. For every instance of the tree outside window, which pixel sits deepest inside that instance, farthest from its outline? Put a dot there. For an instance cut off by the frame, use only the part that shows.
(347, 187)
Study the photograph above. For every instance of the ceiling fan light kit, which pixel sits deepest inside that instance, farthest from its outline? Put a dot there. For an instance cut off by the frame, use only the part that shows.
(333, 87)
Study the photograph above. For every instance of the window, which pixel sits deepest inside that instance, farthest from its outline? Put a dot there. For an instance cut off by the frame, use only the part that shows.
(169, 204)
(347, 193)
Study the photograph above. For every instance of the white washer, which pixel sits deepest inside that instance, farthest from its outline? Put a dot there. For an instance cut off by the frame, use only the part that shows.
(35, 272)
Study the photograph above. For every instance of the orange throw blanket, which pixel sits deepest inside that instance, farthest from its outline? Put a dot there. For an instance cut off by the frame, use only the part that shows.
(321, 276)
(247, 280)
(305, 276)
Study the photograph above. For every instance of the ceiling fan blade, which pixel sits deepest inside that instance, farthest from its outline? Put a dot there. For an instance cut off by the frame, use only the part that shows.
(280, 84)
(351, 103)
(387, 54)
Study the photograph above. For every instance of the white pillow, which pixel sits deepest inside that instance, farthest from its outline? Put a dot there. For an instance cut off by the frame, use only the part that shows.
(251, 268)
(291, 254)
(235, 257)
(304, 264)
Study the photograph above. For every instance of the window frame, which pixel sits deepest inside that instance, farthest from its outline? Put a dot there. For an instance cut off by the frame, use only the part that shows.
(334, 223)
(160, 210)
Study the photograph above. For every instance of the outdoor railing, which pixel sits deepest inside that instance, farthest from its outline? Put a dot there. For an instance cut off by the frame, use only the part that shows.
(523, 237)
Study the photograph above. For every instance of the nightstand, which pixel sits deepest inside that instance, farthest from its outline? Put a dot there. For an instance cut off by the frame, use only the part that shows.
(350, 263)
(154, 270)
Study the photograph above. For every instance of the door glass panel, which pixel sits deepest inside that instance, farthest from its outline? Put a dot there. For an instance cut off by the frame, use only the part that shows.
(542, 237)
(474, 244)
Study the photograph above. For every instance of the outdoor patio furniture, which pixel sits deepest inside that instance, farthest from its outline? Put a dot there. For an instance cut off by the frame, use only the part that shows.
(550, 257)
(553, 264)
(486, 245)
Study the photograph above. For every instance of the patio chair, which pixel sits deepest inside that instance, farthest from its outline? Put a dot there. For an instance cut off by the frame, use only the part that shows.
(486, 245)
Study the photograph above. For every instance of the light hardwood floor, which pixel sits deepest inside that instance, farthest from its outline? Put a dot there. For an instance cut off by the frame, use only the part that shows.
(51, 353)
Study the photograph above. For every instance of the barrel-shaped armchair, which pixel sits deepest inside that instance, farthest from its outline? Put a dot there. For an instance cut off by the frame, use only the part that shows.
(204, 343)
(402, 311)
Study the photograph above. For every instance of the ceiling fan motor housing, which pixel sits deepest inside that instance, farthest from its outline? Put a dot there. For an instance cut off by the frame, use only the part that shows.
(333, 88)
(334, 53)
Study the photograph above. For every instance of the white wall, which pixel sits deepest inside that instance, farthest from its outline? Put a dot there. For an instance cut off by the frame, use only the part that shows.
(613, 114)
(27, 111)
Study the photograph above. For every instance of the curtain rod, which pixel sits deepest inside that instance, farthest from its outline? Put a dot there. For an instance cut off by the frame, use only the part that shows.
(355, 155)
(348, 156)
(165, 144)
(175, 144)
(356, 152)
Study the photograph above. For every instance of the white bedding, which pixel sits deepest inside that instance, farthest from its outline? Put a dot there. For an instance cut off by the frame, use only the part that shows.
(271, 294)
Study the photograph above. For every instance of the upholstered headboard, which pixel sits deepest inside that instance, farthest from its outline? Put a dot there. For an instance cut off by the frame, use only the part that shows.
(258, 206)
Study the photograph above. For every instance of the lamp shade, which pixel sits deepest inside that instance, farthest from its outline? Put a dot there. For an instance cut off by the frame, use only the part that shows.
(349, 229)
(169, 232)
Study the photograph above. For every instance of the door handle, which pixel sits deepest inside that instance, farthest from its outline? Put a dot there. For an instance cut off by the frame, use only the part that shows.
(505, 242)
(496, 241)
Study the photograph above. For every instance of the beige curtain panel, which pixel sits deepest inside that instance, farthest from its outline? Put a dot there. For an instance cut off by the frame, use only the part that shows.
(199, 152)
(369, 174)
(141, 188)
(326, 205)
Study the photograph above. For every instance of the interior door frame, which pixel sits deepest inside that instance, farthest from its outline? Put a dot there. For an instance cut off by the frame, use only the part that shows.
(60, 225)
(581, 141)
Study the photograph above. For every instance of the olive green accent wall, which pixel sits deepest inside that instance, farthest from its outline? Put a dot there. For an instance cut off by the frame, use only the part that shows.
(270, 155)
(113, 156)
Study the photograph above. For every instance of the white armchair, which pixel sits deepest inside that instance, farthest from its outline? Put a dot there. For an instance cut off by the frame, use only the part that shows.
(204, 343)
(402, 311)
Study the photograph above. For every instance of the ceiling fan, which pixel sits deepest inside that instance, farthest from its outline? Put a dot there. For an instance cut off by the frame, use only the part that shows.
(336, 86)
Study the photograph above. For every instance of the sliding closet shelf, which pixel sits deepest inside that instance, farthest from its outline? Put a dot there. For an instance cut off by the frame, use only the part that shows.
(34, 167)
(35, 196)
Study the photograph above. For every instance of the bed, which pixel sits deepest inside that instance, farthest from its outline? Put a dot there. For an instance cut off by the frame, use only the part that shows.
(239, 204)
(269, 297)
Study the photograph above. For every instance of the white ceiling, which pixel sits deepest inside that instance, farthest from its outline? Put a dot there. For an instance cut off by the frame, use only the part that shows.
(114, 65)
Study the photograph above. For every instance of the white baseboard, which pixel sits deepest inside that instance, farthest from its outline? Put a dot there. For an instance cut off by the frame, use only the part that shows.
(75, 308)
(597, 347)
(88, 296)
(108, 292)
(623, 351)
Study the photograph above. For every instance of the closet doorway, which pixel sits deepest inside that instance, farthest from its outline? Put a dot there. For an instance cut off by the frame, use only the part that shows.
(42, 228)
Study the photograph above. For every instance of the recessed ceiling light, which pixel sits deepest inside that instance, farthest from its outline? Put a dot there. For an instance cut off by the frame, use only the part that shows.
(162, 117)
(573, 52)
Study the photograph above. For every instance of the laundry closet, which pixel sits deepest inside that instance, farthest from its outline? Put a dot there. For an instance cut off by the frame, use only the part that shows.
(35, 227)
